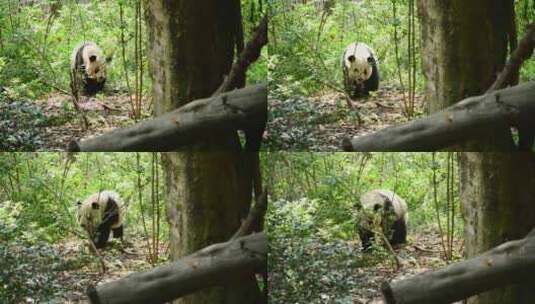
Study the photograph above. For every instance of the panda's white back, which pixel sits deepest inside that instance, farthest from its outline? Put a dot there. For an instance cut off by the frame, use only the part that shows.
(370, 198)
(102, 198)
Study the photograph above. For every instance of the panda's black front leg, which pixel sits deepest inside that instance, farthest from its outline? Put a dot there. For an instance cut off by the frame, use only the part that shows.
(118, 232)
(366, 237)
(399, 234)
(101, 237)
(360, 90)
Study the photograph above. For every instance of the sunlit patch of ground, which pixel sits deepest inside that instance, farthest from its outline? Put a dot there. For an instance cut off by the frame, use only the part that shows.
(64, 123)
(320, 123)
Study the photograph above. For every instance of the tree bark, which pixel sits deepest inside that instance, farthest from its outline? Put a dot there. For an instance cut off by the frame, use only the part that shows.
(464, 47)
(509, 263)
(205, 268)
(497, 191)
(191, 48)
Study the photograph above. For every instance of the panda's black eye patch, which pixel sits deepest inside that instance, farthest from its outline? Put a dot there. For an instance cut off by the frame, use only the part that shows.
(92, 58)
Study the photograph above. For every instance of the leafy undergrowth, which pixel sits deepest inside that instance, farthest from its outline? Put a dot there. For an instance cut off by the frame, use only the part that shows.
(19, 125)
(314, 270)
(321, 123)
(49, 124)
(62, 272)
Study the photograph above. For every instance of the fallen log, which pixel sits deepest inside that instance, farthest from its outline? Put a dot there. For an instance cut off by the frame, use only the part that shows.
(509, 263)
(467, 119)
(243, 109)
(205, 268)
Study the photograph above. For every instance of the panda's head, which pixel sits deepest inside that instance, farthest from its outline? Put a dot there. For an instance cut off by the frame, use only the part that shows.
(89, 216)
(359, 61)
(377, 208)
(94, 63)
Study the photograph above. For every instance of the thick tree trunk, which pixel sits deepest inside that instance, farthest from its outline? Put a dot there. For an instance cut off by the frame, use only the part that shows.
(191, 49)
(464, 48)
(497, 191)
(208, 194)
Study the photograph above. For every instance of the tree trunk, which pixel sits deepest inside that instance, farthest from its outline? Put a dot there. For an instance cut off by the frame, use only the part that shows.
(464, 48)
(191, 49)
(497, 191)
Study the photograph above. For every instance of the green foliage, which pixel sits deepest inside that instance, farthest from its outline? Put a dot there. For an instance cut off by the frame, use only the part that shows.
(252, 12)
(315, 251)
(307, 44)
(37, 43)
(19, 125)
(525, 14)
(303, 259)
(46, 187)
(37, 40)
(27, 271)
(335, 181)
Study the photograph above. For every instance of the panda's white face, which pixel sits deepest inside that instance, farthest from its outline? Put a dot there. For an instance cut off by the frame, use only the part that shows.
(359, 69)
(95, 65)
(358, 59)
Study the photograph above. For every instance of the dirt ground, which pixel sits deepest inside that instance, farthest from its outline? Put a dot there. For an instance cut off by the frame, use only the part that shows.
(50, 123)
(120, 259)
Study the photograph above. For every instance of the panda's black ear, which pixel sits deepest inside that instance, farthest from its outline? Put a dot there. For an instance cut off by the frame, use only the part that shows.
(95, 205)
(351, 58)
(371, 59)
(92, 58)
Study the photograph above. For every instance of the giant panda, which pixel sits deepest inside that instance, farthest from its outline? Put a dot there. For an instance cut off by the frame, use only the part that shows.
(88, 68)
(392, 212)
(101, 213)
(361, 73)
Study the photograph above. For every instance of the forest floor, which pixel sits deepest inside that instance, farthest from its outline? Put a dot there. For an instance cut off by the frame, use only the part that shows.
(339, 273)
(121, 259)
(50, 123)
(320, 123)
(62, 272)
